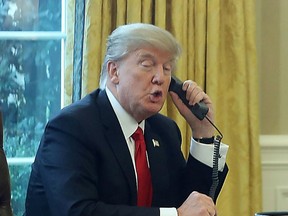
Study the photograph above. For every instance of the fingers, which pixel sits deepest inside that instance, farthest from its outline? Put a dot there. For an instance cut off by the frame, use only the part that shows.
(197, 204)
(194, 93)
(205, 202)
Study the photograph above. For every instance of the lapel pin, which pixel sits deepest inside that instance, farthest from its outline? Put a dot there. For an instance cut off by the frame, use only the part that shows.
(155, 143)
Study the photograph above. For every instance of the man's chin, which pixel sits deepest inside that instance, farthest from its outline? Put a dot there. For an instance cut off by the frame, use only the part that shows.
(154, 109)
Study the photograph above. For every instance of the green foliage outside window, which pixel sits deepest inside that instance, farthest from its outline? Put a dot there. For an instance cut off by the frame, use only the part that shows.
(30, 84)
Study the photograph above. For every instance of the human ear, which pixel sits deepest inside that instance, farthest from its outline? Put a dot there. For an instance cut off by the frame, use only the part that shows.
(113, 72)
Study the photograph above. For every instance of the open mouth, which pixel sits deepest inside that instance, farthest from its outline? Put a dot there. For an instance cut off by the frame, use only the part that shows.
(157, 94)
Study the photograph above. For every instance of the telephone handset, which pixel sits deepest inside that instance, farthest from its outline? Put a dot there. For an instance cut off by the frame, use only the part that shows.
(199, 109)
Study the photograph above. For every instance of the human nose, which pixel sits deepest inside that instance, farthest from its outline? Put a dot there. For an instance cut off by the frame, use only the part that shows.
(158, 77)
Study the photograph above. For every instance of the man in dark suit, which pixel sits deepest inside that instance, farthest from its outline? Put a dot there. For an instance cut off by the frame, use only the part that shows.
(85, 164)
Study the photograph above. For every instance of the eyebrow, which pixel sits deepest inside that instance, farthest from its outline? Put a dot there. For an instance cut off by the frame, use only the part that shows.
(145, 55)
(140, 55)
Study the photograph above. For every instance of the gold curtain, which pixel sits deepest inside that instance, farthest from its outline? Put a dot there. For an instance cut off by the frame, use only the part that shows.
(218, 40)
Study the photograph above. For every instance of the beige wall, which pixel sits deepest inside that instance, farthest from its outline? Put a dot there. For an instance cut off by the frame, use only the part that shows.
(272, 45)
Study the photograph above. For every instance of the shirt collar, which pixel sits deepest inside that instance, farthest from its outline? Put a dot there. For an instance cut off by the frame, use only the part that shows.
(127, 122)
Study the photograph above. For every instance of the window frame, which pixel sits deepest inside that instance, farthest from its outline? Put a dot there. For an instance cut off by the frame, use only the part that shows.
(36, 36)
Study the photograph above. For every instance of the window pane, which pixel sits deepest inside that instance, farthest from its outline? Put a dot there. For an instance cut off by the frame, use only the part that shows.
(30, 83)
(30, 15)
(19, 181)
(30, 92)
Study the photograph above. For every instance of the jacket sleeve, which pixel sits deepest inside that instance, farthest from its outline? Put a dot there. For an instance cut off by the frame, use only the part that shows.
(199, 177)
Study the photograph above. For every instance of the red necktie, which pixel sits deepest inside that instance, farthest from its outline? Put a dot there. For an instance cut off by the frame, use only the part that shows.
(142, 169)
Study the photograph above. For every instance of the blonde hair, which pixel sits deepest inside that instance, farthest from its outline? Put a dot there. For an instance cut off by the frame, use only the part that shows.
(128, 38)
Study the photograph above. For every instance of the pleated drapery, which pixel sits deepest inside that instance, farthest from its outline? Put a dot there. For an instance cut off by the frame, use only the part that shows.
(219, 53)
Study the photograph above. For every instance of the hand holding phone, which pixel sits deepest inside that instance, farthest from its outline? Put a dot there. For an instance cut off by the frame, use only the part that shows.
(199, 109)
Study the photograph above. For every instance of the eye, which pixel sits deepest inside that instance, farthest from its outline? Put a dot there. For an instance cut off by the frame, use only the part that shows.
(147, 63)
(167, 67)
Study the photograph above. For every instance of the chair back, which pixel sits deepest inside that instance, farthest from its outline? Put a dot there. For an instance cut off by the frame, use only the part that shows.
(1, 130)
(278, 213)
(5, 188)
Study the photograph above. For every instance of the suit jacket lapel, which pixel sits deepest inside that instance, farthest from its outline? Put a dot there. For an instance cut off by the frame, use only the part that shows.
(117, 142)
(158, 162)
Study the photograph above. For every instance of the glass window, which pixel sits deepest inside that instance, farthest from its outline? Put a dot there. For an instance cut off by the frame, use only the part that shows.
(32, 35)
(30, 15)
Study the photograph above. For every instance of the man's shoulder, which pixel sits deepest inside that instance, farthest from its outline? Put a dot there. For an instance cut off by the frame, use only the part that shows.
(84, 107)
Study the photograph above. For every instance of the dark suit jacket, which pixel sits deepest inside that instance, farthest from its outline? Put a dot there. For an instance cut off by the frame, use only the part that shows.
(83, 165)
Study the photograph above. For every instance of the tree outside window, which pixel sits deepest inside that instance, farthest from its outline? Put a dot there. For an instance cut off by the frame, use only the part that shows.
(30, 81)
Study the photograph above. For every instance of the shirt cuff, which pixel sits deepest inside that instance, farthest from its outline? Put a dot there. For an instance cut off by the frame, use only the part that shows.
(168, 212)
(204, 153)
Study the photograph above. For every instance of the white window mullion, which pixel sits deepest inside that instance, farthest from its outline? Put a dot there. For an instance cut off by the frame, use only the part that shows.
(30, 35)
(20, 160)
(63, 43)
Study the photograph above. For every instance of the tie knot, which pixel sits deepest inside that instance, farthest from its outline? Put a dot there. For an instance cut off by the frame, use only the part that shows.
(138, 134)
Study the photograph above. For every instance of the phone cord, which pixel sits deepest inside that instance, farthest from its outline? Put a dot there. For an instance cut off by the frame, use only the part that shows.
(216, 156)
